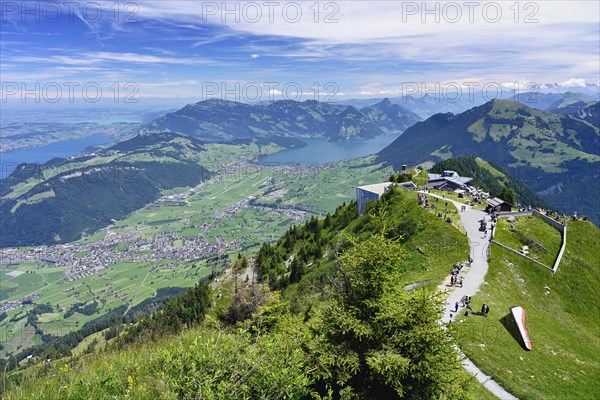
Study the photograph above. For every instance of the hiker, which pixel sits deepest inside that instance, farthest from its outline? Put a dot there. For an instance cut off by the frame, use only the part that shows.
(483, 306)
(456, 307)
(452, 280)
(462, 279)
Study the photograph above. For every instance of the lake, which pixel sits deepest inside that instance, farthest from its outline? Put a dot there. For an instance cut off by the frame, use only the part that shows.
(319, 151)
(39, 155)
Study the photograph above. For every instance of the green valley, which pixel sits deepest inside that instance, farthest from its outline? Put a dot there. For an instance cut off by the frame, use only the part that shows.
(172, 242)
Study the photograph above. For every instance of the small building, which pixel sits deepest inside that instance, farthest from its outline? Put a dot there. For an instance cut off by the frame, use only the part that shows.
(498, 205)
(365, 194)
(448, 181)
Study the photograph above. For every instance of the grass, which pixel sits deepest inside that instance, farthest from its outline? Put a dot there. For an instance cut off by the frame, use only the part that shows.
(543, 239)
(562, 320)
(163, 368)
(451, 211)
(465, 200)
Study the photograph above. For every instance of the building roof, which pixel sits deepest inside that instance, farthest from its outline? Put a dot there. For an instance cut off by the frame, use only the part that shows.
(377, 188)
(445, 179)
(409, 184)
(450, 176)
(496, 202)
(380, 188)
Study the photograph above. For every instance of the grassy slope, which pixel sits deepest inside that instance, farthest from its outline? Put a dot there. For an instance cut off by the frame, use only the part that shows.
(562, 322)
(528, 229)
(432, 245)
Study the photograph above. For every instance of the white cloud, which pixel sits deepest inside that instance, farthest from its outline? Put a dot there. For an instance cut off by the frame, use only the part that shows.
(100, 57)
(540, 36)
(573, 82)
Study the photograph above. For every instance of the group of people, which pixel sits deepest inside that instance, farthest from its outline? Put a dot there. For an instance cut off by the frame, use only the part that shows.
(466, 302)
(484, 226)
(494, 217)
(454, 278)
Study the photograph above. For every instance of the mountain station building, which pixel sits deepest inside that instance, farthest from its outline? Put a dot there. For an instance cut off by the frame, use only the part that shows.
(448, 181)
(365, 194)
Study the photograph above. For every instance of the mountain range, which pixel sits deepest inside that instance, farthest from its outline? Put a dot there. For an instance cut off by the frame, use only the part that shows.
(554, 102)
(216, 120)
(427, 104)
(555, 155)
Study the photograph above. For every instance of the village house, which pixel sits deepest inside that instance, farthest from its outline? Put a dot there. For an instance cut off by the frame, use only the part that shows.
(498, 205)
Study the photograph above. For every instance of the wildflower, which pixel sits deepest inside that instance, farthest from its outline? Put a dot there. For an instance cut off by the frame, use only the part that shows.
(130, 380)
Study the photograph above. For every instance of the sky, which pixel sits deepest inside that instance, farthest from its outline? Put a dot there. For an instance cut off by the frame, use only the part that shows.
(143, 52)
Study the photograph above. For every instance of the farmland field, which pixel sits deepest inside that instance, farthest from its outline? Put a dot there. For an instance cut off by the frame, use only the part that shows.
(243, 206)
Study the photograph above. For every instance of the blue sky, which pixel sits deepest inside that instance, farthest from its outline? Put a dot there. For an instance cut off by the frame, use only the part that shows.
(179, 51)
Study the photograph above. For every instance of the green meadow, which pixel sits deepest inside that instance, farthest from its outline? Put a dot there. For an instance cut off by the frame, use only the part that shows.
(561, 318)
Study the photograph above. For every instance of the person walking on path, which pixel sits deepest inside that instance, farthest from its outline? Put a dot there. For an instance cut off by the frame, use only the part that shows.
(462, 280)
(456, 307)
